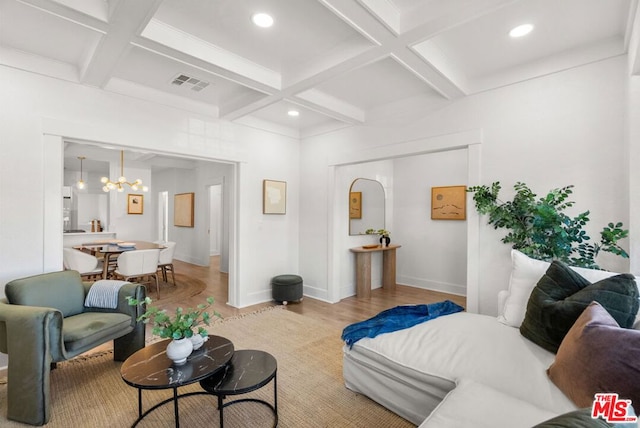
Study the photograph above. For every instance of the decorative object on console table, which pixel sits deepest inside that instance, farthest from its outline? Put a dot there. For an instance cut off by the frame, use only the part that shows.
(180, 326)
(183, 209)
(135, 204)
(384, 235)
(274, 197)
(448, 203)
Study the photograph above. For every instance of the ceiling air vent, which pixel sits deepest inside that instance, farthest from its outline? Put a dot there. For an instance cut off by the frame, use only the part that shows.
(189, 82)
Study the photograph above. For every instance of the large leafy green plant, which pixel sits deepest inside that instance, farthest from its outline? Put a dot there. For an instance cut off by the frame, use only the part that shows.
(539, 227)
(183, 324)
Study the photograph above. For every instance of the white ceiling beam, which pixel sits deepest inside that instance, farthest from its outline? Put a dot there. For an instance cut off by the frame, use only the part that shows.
(128, 20)
(181, 41)
(451, 20)
(233, 111)
(443, 84)
(39, 65)
(390, 44)
(72, 15)
(328, 105)
(385, 11)
(358, 18)
(176, 55)
(632, 39)
(294, 89)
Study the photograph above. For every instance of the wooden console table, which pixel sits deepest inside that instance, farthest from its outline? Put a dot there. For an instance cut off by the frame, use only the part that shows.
(363, 268)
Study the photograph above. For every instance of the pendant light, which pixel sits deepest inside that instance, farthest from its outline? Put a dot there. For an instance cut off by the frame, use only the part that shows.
(117, 185)
(81, 184)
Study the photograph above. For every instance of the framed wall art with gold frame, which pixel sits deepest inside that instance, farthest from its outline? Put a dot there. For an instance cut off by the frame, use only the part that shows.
(355, 205)
(274, 197)
(449, 203)
(183, 209)
(135, 204)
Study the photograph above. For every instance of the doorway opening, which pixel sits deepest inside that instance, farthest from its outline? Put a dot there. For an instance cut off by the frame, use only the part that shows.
(163, 216)
(168, 175)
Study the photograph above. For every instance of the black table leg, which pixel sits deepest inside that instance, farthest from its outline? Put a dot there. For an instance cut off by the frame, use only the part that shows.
(175, 406)
(221, 409)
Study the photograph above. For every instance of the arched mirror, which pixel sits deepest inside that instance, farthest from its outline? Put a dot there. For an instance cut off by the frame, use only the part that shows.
(366, 206)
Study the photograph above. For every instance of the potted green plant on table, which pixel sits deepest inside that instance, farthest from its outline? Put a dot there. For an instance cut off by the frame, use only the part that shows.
(539, 228)
(185, 327)
(384, 235)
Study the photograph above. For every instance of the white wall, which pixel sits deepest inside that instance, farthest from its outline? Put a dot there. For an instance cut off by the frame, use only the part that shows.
(633, 141)
(36, 110)
(565, 128)
(434, 252)
(215, 219)
(131, 227)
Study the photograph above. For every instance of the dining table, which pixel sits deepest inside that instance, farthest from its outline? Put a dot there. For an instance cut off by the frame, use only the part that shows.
(108, 249)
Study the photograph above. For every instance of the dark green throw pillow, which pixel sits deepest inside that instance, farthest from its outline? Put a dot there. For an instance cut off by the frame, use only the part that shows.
(562, 294)
(576, 419)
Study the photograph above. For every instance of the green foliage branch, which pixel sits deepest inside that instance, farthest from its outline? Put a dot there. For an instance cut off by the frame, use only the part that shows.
(539, 227)
(379, 232)
(179, 326)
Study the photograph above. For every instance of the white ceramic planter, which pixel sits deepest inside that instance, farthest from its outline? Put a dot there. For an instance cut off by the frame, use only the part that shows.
(197, 341)
(179, 350)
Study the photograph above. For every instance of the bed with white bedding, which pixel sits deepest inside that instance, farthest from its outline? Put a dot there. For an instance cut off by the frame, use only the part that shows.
(463, 369)
(411, 371)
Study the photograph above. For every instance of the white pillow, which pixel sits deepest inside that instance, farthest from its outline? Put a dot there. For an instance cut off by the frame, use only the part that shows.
(525, 273)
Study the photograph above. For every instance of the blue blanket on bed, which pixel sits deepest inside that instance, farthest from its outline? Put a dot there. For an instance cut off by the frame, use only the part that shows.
(397, 318)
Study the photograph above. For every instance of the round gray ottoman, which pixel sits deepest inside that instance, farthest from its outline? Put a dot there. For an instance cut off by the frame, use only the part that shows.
(286, 288)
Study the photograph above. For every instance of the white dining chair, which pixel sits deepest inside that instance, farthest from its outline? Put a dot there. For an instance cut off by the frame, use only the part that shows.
(165, 261)
(138, 264)
(88, 266)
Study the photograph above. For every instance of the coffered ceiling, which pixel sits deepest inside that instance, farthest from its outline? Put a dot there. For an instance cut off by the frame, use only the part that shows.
(337, 62)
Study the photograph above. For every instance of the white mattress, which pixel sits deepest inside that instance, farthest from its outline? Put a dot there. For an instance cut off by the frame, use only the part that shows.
(410, 371)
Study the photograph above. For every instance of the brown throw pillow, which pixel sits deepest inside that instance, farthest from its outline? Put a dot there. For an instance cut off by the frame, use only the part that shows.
(597, 355)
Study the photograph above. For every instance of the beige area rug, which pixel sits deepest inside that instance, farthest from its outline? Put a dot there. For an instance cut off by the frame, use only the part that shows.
(185, 287)
(89, 391)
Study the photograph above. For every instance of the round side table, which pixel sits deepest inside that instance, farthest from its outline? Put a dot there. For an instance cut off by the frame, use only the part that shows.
(247, 371)
(150, 368)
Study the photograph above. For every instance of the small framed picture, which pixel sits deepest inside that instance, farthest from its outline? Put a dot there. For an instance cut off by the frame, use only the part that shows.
(448, 203)
(274, 197)
(183, 204)
(135, 204)
(355, 205)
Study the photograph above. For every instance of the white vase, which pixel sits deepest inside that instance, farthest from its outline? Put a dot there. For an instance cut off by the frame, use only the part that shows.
(179, 350)
(197, 341)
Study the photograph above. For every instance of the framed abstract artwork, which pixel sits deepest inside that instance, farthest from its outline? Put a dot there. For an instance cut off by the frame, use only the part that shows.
(449, 203)
(183, 209)
(274, 197)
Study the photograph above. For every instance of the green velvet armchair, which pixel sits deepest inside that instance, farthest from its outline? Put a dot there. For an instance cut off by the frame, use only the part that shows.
(44, 320)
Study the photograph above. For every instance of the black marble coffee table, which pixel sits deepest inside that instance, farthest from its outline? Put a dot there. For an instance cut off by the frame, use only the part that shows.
(150, 368)
(247, 371)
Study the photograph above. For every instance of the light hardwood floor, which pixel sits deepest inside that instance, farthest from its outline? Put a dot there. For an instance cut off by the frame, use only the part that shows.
(339, 315)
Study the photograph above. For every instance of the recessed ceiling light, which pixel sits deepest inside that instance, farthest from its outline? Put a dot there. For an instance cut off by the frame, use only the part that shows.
(263, 20)
(521, 30)
(293, 113)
